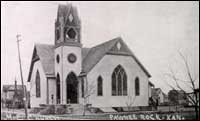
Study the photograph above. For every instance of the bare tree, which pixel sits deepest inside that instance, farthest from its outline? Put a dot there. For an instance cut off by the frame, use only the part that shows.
(130, 101)
(189, 82)
(89, 90)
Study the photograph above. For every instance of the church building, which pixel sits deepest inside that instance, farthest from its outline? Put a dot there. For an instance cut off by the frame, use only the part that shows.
(106, 75)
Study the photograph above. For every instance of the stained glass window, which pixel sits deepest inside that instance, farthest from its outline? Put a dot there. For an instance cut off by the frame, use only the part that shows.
(119, 82)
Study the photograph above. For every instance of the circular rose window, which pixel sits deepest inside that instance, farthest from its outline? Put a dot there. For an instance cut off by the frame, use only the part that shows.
(72, 58)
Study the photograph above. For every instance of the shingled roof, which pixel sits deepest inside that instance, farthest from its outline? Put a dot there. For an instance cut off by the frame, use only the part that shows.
(85, 52)
(45, 53)
(96, 53)
(90, 56)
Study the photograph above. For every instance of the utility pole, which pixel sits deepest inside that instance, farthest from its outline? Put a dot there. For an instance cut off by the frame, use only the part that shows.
(15, 95)
(23, 86)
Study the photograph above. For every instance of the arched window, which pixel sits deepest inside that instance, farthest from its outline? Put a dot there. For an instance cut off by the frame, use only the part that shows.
(125, 85)
(119, 81)
(58, 89)
(137, 86)
(37, 83)
(82, 87)
(57, 34)
(99, 86)
(57, 58)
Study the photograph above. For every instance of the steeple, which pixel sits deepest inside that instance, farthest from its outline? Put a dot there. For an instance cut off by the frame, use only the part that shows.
(67, 26)
(67, 53)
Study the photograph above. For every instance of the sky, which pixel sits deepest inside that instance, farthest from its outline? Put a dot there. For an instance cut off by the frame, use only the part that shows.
(154, 31)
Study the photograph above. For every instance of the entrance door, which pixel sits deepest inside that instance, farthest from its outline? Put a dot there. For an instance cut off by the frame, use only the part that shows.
(72, 88)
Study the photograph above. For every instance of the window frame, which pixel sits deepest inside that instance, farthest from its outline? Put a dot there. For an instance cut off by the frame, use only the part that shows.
(99, 86)
(58, 58)
(119, 82)
(82, 87)
(57, 34)
(38, 85)
(137, 86)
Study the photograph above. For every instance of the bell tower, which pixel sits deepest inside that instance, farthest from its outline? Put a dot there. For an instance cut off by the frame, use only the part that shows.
(67, 26)
(68, 58)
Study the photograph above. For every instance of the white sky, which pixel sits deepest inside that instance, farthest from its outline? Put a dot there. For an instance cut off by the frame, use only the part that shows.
(154, 31)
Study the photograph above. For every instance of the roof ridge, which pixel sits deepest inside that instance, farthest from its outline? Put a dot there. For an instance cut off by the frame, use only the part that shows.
(100, 50)
(106, 42)
(45, 53)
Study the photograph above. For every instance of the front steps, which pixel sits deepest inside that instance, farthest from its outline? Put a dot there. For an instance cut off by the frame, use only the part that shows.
(77, 109)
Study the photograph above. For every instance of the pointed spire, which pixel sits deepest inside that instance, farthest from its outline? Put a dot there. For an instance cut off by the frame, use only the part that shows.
(63, 10)
(68, 25)
(67, 11)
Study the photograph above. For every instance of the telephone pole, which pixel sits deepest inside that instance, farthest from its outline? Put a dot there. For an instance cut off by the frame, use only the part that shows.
(23, 86)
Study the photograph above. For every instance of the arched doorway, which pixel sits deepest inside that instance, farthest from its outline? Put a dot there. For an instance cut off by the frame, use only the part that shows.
(72, 88)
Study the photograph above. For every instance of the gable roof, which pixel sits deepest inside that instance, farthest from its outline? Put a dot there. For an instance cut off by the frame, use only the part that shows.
(95, 54)
(85, 51)
(98, 52)
(45, 54)
(90, 56)
(157, 91)
(151, 84)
